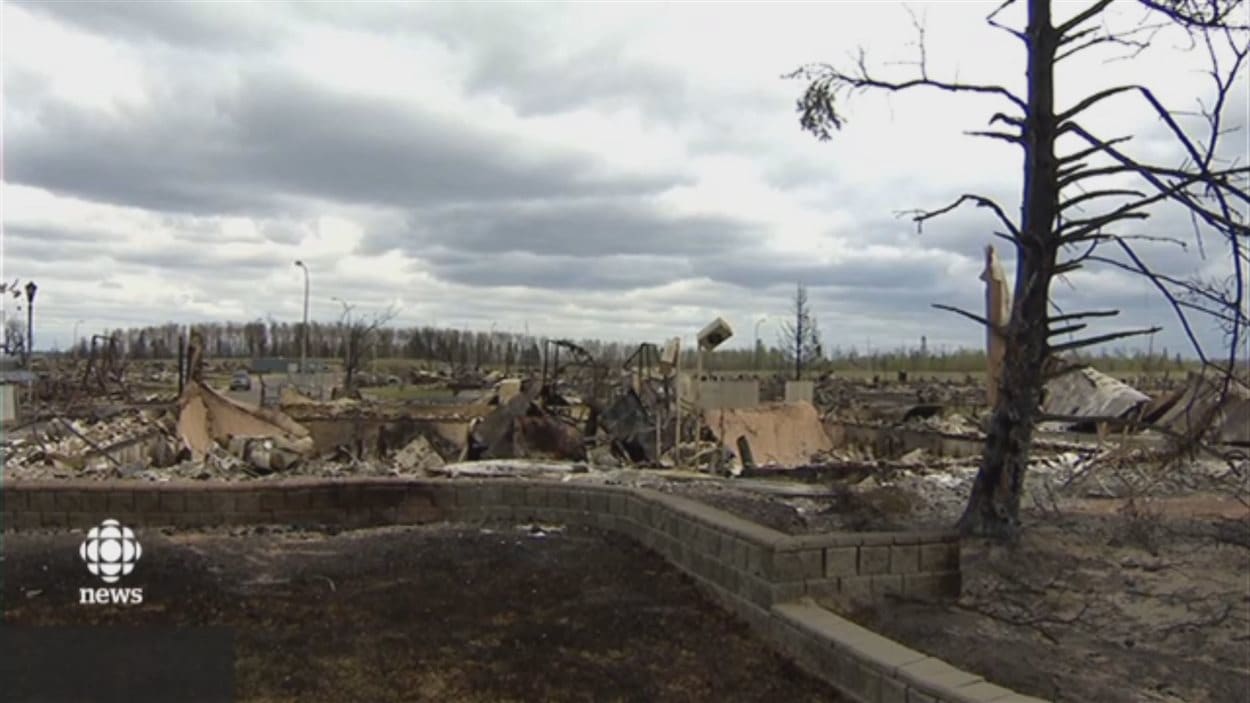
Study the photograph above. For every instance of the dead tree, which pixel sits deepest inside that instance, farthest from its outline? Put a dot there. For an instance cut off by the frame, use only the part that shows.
(14, 342)
(1086, 204)
(799, 338)
(358, 334)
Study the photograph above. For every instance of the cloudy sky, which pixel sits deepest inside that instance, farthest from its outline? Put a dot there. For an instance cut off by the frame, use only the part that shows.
(613, 171)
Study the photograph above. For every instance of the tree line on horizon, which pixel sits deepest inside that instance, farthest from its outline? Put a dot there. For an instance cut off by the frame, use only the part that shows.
(460, 349)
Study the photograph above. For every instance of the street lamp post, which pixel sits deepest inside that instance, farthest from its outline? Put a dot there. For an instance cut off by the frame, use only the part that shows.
(303, 344)
(30, 319)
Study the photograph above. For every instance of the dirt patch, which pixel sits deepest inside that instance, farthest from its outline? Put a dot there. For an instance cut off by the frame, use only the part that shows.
(1110, 608)
(435, 613)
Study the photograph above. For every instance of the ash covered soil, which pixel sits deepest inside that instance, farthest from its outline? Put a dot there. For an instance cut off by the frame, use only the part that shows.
(435, 613)
(1116, 608)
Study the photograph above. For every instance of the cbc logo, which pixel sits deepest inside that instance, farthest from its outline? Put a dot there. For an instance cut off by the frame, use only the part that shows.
(110, 551)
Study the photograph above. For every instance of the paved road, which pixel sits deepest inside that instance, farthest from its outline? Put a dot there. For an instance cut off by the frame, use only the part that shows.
(252, 396)
(326, 381)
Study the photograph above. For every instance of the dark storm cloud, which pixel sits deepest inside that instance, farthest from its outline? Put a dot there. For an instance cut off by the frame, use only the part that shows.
(283, 232)
(243, 150)
(200, 25)
(870, 274)
(571, 228)
(207, 259)
(51, 237)
(25, 245)
(534, 83)
(36, 243)
(526, 57)
(563, 273)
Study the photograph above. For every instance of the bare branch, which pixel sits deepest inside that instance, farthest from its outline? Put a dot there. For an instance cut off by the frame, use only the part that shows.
(1085, 153)
(1007, 120)
(1217, 180)
(1158, 283)
(818, 105)
(1101, 339)
(993, 22)
(919, 216)
(1093, 100)
(1189, 13)
(1067, 267)
(1077, 36)
(1003, 136)
(1088, 228)
(1083, 315)
(1125, 39)
(970, 315)
(1082, 17)
(1066, 330)
(1079, 173)
(1094, 194)
(1216, 301)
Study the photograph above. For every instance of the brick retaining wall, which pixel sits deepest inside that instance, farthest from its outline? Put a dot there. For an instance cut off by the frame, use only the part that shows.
(759, 573)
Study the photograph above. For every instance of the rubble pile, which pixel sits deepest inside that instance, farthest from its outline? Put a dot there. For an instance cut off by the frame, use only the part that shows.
(945, 423)
(836, 396)
(886, 440)
(93, 444)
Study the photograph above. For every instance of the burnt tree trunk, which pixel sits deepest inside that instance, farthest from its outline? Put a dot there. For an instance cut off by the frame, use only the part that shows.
(351, 361)
(994, 506)
(798, 347)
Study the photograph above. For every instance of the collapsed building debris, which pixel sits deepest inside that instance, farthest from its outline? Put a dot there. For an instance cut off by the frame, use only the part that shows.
(940, 419)
(579, 410)
(419, 455)
(774, 434)
(1205, 408)
(1084, 392)
(107, 443)
(362, 430)
(207, 417)
(578, 378)
(632, 427)
(267, 439)
(521, 427)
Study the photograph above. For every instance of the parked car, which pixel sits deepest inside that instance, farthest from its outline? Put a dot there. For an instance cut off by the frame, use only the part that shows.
(241, 381)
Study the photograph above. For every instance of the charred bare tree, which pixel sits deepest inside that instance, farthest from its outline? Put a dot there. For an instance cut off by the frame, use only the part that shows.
(14, 342)
(358, 334)
(1080, 206)
(799, 339)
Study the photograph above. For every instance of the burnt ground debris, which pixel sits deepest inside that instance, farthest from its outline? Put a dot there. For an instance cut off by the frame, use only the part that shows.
(1116, 608)
(437, 613)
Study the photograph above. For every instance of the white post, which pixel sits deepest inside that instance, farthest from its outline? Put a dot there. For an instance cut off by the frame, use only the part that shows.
(998, 314)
